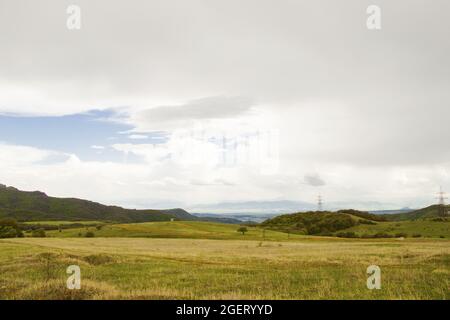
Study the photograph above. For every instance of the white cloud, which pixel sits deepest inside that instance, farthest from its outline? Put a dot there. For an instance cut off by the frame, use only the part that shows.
(366, 111)
(14, 156)
(159, 181)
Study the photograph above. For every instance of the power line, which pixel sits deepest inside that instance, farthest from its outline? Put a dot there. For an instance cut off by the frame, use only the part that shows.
(441, 197)
(319, 203)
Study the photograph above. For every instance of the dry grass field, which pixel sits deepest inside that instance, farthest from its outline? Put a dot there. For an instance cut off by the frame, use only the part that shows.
(148, 268)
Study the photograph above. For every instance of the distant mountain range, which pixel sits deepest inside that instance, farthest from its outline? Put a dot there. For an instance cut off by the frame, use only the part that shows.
(428, 212)
(37, 206)
(275, 207)
(34, 206)
(254, 207)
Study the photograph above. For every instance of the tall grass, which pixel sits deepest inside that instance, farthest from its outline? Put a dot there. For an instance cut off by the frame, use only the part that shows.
(127, 268)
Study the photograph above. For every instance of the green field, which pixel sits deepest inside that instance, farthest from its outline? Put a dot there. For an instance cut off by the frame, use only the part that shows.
(424, 228)
(62, 223)
(313, 268)
(203, 260)
(177, 229)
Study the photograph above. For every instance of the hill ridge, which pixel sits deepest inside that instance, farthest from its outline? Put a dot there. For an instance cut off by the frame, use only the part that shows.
(36, 205)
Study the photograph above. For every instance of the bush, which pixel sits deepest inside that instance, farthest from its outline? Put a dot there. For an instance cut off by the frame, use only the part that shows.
(416, 235)
(89, 234)
(348, 234)
(401, 235)
(383, 235)
(9, 228)
(38, 233)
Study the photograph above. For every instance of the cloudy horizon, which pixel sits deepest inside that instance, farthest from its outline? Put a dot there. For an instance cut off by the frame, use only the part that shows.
(197, 104)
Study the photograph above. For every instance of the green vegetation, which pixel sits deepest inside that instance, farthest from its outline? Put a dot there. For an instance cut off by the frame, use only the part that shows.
(312, 268)
(364, 215)
(176, 229)
(58, 223)
(356, 224)
(287, 257)
(10, 229)
(38, 233)
(242, 230)
(428, 212)
(35, 206)
(313, 223)
(425, 228)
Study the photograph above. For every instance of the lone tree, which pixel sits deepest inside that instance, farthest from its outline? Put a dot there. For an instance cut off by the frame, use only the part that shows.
(242, 230)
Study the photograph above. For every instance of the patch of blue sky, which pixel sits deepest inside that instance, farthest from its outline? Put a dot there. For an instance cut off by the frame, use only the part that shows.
(89, 135)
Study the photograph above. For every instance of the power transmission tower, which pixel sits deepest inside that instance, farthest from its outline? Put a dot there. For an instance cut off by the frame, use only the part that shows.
(441, 196)
(319, 203)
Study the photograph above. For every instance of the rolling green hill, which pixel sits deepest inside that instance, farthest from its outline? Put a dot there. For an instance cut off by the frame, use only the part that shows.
(428, 212)
(352, 224)
(322, 222)
(36, 206)
(417, 228)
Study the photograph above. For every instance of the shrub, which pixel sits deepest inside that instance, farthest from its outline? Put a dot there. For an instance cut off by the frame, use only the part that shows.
(416, 235)
(242, 230)
(38, 233)
(367, 222)
(348, 234)
(9, 228)
(401, 235)
(383, 235)
(89, 234)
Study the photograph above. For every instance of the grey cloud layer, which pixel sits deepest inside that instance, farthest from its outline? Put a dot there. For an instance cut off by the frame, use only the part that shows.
(340, 95)
(200, 109)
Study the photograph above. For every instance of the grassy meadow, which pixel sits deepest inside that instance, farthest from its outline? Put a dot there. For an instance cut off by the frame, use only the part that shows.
(62, 223)
(213, 261)
(418, 228)
(176, 229)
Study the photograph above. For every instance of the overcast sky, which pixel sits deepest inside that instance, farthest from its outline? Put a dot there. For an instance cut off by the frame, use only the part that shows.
(167, 103)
